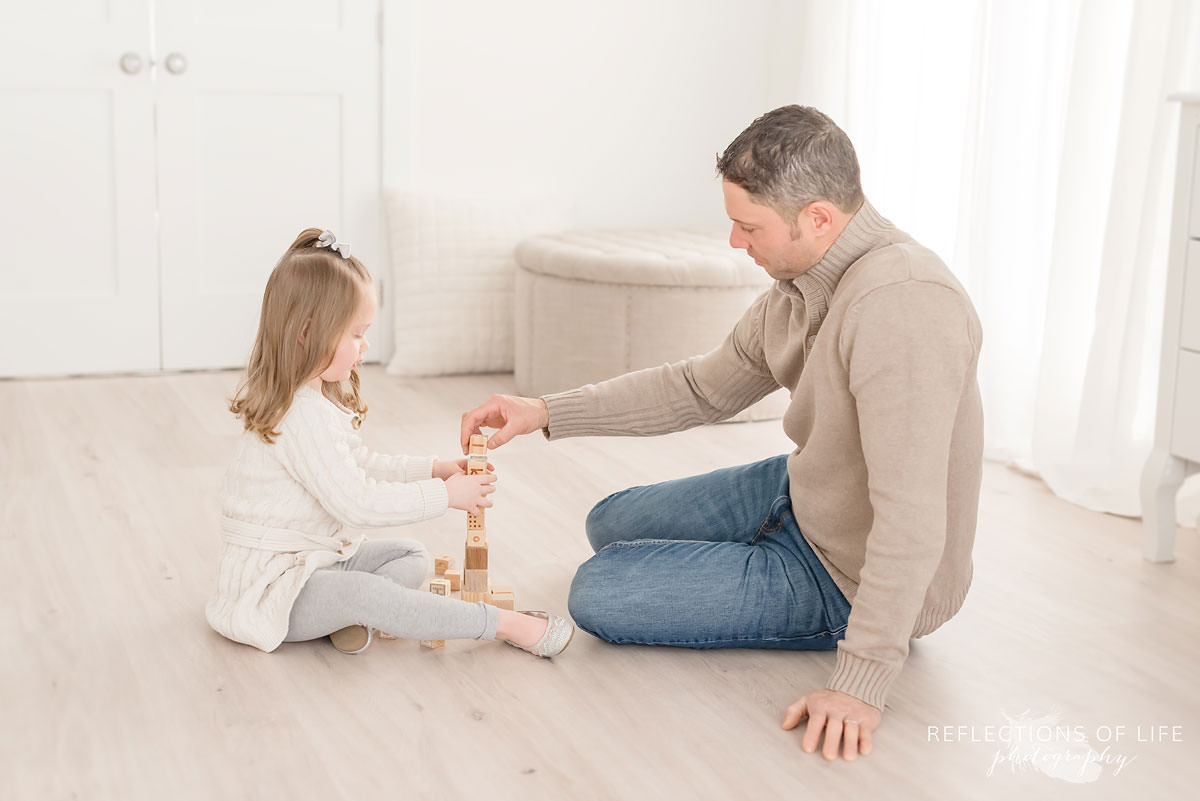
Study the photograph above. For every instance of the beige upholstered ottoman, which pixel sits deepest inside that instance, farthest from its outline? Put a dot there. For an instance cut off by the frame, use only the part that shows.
(592, 305)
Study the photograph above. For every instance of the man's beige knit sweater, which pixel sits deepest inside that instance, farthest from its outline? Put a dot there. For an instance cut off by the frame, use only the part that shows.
(878, 345)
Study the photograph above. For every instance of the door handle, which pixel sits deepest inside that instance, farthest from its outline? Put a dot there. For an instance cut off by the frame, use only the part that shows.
(176, 64)
(131, 63)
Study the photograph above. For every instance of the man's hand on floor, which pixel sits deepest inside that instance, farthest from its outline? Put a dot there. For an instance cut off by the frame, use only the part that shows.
(841, 717)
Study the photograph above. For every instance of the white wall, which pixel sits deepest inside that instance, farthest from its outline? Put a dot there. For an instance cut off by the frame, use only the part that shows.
(615, 109)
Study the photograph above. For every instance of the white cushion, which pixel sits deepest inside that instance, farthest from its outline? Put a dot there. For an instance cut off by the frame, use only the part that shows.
(592, 305)
(658, 256)
(452, 267)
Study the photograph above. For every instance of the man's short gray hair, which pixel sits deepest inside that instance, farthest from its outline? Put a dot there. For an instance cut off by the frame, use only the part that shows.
(789, 157)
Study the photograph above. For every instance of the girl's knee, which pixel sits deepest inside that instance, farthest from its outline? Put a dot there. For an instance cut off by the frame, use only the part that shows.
(420, 555)
(409, 566)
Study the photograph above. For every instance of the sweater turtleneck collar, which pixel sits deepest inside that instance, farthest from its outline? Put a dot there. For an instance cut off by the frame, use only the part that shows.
(865, 232)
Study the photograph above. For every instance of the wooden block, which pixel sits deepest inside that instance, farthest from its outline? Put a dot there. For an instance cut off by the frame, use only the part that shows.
(504, 598)
(475, 585)
(442, 563)
(455, 579)
(477, 556)
(475, 581)
(474, 575)
(432, 643)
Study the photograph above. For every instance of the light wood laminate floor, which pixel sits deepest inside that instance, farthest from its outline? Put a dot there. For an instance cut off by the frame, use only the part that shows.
(113, 686)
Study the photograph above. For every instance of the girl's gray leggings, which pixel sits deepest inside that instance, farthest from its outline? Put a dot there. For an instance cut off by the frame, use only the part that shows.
(378, 588)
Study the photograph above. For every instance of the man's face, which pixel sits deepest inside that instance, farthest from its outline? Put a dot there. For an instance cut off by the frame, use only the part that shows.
(784, 250)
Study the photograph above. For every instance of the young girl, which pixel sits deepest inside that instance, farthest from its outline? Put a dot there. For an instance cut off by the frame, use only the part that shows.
(288, 571)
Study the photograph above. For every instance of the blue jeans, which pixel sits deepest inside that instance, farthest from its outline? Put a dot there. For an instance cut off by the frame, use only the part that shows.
(711, 561)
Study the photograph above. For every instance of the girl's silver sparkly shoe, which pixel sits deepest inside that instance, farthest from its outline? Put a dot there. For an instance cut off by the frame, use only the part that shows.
(559, 632)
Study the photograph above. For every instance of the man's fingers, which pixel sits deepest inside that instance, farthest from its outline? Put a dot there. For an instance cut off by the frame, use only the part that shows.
(850, 735)
(470, 425)
(795, 713)
(833, 739)
(812, 732)
(502, 436)
(490, 413)
(864, 742)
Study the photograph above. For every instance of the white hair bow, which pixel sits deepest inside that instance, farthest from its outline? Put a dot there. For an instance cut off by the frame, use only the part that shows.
(328, 240)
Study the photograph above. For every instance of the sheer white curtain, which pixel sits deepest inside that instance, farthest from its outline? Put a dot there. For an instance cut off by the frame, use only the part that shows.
(1030, 143)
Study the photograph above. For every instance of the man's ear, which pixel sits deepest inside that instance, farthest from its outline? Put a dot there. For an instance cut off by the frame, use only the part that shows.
(820, 216)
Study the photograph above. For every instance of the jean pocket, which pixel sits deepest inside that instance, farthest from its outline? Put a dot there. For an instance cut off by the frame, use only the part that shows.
(774, 522)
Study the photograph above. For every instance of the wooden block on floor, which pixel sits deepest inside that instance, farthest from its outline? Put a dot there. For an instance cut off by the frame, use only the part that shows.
(442, 563)
(476, 556)
(504, 598)
(455, 579)
(475, 581)
(475, 586)
(432, 643)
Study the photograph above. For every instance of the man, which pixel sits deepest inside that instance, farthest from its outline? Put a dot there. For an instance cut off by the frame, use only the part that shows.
(860, 538)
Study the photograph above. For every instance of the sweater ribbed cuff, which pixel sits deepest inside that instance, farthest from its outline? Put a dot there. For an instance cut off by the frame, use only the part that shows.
(434, 499)
(419, 468)
(567, 414)
(865, 679)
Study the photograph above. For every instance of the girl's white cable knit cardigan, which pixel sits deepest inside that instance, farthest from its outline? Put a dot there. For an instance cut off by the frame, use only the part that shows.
(285, 505)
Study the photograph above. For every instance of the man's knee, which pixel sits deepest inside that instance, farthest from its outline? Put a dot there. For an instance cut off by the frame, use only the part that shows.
(600, 526)
(586, 600)
(597, 604)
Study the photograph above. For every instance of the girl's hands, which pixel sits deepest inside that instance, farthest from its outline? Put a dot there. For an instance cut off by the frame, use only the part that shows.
(470, 493)
(445, 470)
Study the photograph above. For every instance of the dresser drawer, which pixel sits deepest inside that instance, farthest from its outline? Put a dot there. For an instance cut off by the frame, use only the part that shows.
(1189, 323)
(1185, 427)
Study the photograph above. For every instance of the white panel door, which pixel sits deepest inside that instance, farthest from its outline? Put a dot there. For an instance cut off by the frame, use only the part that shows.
(268, 123)
(78, 267)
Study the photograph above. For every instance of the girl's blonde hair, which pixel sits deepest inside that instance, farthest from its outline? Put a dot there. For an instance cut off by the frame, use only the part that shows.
(309, 301)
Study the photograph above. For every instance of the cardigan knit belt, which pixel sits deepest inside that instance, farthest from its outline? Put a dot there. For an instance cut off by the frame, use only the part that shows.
(283, 540)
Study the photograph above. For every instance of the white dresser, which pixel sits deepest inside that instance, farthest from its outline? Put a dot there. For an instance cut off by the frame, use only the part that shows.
(1177, 433)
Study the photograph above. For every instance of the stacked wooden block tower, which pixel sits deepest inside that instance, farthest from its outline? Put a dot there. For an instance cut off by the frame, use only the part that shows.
(472, 581)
